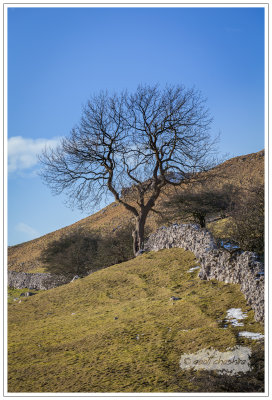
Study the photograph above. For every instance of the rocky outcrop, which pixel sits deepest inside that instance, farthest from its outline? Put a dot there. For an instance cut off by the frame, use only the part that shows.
(242, 268)
(20, 280)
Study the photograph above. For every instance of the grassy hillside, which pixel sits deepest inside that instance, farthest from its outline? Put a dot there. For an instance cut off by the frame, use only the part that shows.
(242, 171)
(117, 330)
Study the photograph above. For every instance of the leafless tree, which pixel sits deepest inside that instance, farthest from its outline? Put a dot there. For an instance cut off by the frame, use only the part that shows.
(248, 219)
(145, 140)
(197, 203)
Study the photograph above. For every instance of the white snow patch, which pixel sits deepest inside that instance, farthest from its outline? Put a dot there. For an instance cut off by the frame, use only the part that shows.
(251, 335)
(234, 315)
(192, 269)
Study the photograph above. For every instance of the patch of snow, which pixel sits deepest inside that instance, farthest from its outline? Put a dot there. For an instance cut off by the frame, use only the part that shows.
(192, 269)
(251, 335)
(234, 315)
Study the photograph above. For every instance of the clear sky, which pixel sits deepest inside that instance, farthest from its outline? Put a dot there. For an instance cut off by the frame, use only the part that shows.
(58, 57)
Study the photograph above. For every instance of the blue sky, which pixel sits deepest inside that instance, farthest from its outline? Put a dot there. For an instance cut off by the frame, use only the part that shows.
(58, 57)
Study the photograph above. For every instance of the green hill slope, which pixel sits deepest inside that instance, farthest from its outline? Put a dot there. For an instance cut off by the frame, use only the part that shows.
(117, 330)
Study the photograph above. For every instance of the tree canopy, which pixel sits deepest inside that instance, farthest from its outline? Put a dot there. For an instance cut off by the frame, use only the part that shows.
(147, 139)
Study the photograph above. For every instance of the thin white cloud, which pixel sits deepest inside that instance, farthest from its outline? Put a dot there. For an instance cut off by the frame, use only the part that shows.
(27, 229)
(22, 152)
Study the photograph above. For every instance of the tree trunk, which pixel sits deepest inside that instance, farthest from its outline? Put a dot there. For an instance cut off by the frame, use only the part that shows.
(202, 221)
(138, 234)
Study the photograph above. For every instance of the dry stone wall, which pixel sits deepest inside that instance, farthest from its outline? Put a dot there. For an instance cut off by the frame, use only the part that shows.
(216, 263)
(20, 280)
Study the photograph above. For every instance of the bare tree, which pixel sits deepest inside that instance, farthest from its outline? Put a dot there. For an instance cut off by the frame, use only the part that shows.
(148, 139)
(197, 203)
(248, 219)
